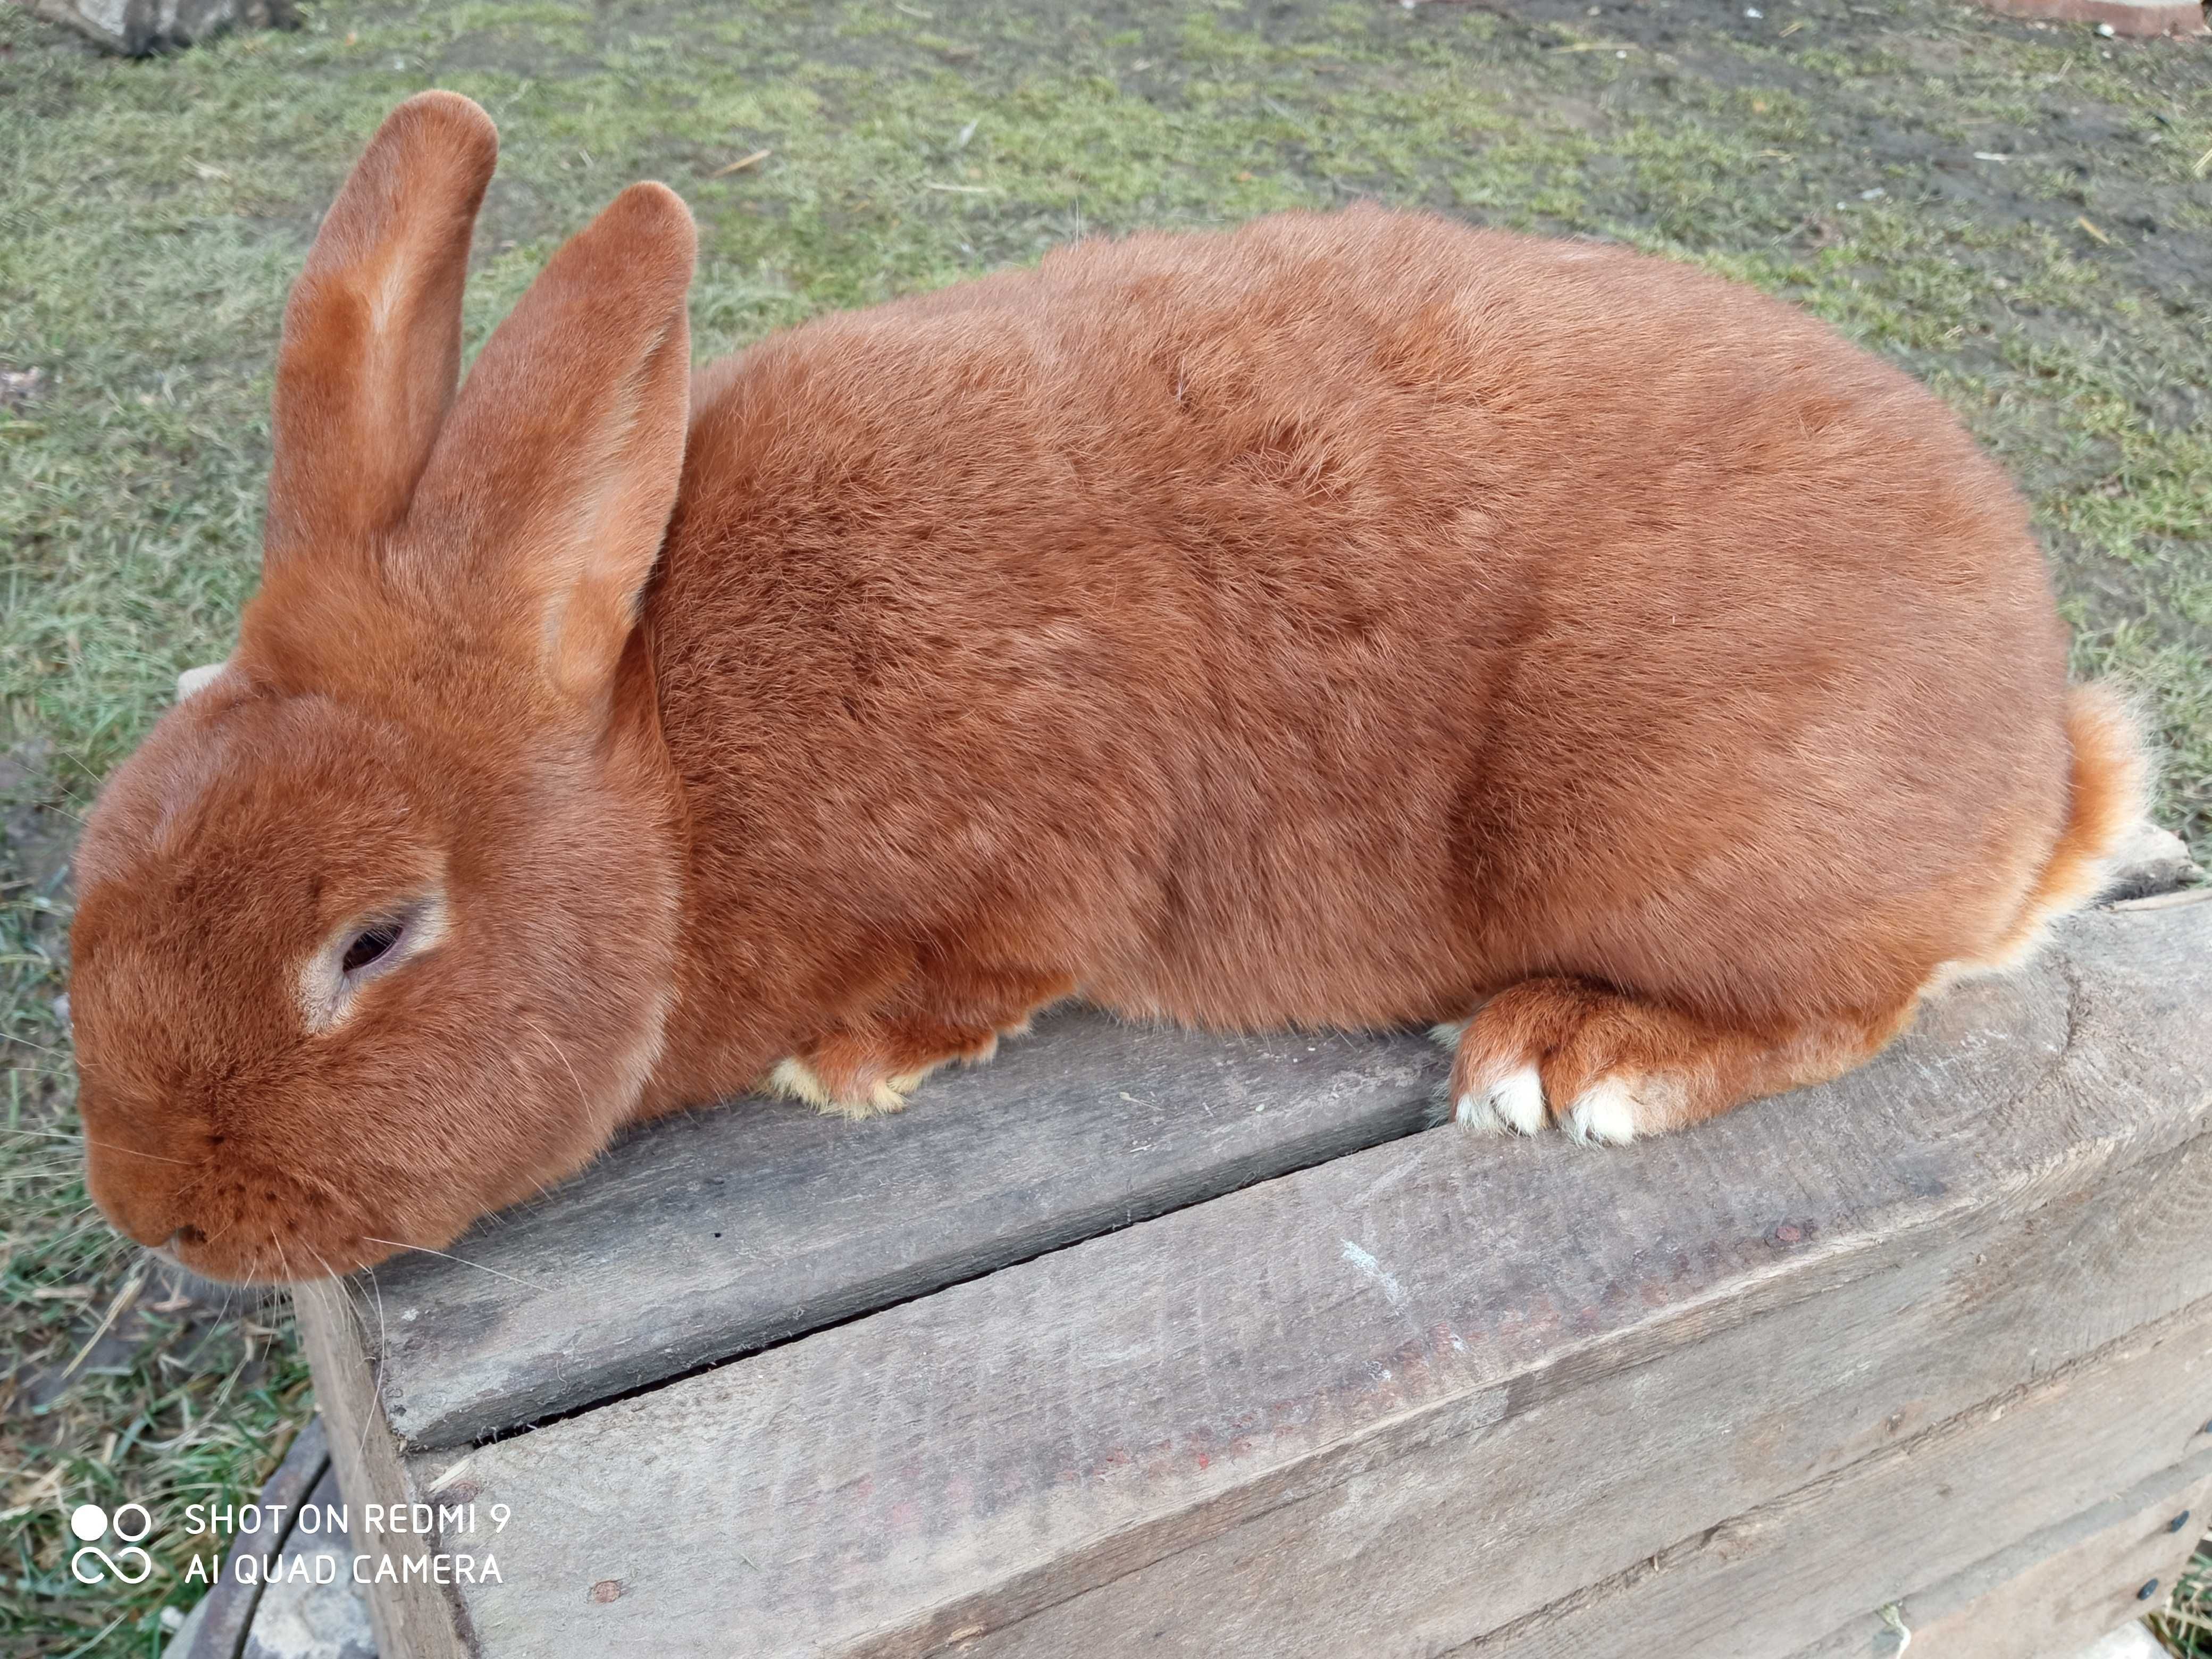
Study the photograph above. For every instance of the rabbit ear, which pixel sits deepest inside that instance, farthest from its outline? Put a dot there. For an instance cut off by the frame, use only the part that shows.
(551, 485)
(372, 333)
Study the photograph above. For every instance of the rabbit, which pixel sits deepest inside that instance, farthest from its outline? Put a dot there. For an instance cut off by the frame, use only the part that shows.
(1352, 620)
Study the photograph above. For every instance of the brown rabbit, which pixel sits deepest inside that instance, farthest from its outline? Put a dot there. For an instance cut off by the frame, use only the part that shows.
(1352, 620)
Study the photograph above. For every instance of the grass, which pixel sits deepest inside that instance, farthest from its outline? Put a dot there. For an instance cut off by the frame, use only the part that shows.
(151, 215)
(2185, 1626)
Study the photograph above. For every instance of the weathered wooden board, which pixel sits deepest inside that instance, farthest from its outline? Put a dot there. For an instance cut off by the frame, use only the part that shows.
(1751, 1589)
(216, 1627)
(1586, 1478)
(2056, 1591)
(412, 1620)
(313, 1609)
(720, 1233)
(1436, 1360)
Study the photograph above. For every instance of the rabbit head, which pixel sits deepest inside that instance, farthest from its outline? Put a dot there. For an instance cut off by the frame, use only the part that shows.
(376, 931)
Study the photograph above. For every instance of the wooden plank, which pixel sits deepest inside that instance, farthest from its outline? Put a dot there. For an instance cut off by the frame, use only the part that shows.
(718, 1233)
(1593, 1475)
(216, 1627)
(2061, 1588)
(1491, 1328)
(1752, 1588)
(313, 1609)
(412, 1618)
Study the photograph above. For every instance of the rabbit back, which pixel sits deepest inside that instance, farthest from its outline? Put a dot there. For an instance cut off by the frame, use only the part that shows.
(1332, 620)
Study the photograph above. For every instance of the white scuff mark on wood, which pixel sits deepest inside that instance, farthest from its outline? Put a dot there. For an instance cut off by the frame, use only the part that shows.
(1390, 1177)
(1373, 1272)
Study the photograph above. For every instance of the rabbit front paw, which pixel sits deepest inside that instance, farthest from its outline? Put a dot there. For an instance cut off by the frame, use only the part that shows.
(795, 1080)
(870, 1070)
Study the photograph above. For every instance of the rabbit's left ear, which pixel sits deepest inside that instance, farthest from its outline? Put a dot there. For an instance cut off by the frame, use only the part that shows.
(372, 333)
(549, 491)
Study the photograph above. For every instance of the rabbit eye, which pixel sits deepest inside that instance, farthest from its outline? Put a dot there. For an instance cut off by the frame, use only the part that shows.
(383, 942)
(370, 944)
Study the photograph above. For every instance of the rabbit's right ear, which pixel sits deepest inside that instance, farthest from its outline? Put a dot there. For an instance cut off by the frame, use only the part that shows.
(372, 345)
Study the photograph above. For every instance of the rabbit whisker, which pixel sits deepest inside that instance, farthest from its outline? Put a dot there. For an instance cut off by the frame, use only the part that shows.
(383, 1355)
(104, 1146)
(560, 1055)
(447, 1256)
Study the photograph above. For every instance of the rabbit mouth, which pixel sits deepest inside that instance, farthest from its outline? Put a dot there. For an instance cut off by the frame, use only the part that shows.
(188, 1248)
(281, 1259)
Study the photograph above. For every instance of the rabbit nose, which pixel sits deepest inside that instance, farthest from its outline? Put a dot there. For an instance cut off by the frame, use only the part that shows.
(168, 1248)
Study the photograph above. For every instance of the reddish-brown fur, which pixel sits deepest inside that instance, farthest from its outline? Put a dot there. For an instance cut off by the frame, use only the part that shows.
(1352, 620)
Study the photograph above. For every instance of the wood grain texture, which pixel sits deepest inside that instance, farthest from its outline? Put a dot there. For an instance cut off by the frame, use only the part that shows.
(312, 1607)
(1593, 1475)
(411, 1620)
(1436, 1360)
(222, 1617)
(1752, 1588)
(718, 1233)
(2056, 1591)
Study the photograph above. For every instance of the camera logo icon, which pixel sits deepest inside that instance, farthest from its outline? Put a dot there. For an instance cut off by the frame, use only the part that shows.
(92, 1564)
